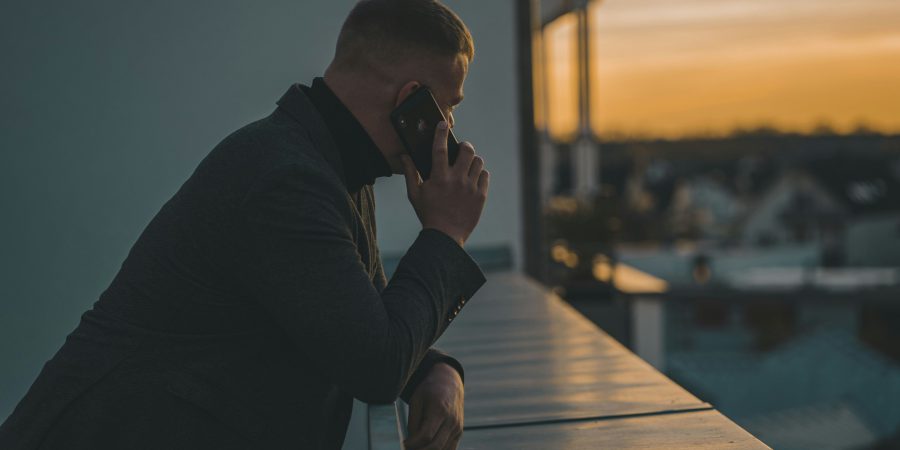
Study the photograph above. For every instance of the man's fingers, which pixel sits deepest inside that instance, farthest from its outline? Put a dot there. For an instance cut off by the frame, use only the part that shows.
(453, 442)
(413, 179)
(439, 162)
(414, 421)
(464, 159)
(442, 436)
(475, 169)
(484, 180)
(426, 434)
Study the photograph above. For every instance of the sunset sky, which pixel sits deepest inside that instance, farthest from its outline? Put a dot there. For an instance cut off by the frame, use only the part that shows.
(676, 67)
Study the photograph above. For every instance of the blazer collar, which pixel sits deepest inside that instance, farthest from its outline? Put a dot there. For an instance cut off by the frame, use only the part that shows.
(297, 105)
(362, 160)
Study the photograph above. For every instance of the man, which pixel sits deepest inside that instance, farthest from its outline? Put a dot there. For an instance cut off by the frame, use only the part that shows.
(254, 307)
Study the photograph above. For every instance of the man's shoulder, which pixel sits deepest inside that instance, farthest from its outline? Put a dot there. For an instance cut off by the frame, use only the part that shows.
(274, 139)
(269, 147)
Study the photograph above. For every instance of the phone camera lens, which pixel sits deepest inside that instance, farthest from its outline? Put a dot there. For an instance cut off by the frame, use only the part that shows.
(402, 121)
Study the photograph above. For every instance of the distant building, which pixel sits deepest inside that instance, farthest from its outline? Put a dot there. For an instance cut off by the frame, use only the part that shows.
(822, 390)
(794, 210)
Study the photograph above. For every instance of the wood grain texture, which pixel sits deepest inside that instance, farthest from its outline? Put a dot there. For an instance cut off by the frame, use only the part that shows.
(541, 376)
(690, 430)
(528, 357)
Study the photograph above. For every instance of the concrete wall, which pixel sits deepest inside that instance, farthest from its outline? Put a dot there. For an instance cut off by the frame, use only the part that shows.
(106, 107)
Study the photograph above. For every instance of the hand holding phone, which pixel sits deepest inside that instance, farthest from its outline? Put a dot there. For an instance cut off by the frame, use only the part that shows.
(415, 121)
(452, 200)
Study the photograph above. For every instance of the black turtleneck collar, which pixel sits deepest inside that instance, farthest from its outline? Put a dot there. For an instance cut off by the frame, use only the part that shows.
(362, 160)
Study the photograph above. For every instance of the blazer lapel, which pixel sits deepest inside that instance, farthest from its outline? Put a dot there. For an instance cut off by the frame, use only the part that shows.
(296, 104)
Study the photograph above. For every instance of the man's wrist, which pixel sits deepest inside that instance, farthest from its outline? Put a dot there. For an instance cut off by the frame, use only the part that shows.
(444, 371)
(439, 378)
(426, 374)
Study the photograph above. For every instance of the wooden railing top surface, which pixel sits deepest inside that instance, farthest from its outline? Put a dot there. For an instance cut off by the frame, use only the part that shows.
(541, 376)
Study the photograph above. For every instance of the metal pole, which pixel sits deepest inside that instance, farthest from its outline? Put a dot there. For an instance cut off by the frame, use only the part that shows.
(585, 156)
(530, 157)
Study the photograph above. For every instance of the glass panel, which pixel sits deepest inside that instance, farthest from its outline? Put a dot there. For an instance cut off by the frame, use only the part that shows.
(670, 69)
(745, 234)
(561, 64)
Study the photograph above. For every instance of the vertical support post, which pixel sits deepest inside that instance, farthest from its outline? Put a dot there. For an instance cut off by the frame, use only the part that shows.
(586, 166)
(528, 142)
(357, 437)
(387, 426)
(584, 152)
(648, 330)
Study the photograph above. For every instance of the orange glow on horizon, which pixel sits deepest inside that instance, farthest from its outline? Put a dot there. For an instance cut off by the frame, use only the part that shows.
(669, 69)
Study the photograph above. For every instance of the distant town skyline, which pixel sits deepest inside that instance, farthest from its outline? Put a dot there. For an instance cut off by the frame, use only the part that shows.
(670, 69)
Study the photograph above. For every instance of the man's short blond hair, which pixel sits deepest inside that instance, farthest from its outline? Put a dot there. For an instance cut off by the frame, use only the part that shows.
(390, 30)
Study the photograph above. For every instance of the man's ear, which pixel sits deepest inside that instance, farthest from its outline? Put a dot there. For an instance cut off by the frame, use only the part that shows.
(406, 90)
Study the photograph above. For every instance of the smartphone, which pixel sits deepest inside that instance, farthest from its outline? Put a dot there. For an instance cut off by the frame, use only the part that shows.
(416, 120)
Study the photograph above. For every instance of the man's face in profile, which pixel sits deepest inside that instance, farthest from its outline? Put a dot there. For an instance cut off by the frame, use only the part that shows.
(448, 85)
(445, 77)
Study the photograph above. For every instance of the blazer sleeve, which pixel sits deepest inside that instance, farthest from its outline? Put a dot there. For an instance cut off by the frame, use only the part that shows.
(300, 262)
(432, 357)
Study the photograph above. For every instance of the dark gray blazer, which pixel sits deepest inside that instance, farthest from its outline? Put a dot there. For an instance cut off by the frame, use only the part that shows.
(250, 311)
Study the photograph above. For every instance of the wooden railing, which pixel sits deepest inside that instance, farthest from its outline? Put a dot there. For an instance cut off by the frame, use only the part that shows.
(541, 376)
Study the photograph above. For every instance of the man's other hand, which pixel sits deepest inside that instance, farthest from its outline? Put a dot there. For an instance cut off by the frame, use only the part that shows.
(436, 411)
(452, 199)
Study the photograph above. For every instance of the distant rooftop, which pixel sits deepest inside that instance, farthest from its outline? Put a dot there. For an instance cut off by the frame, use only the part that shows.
(824, 389)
